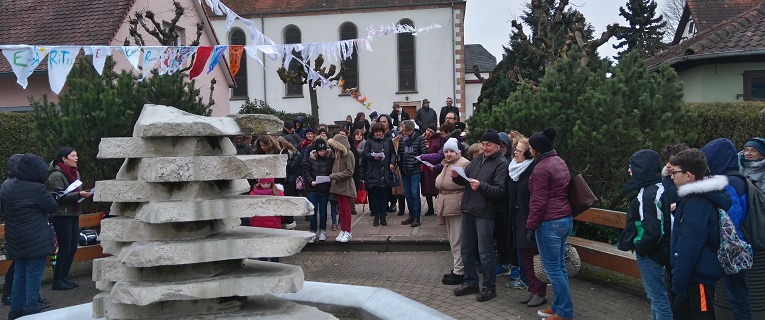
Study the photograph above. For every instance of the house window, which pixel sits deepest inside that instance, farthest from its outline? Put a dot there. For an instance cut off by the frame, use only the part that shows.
(348, 31)
(292, 35)
(754, 85)
(180, 34)
(240, 90)
(406, 60)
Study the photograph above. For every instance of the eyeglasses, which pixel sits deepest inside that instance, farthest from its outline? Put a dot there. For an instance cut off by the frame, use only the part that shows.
(677, 171)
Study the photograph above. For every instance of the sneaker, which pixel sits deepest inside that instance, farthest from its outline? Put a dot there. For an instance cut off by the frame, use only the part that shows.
(340, 236)
(291, 226)
(486, 295)
(334, 227)
(465, 290)
(453, 279)
(346, 237)
(515, 273)
(518, 284)
(546, 313)
(392, 208)
(502, 268)
(313, 238)
(322, 235)
(415, 223)
(42, 303)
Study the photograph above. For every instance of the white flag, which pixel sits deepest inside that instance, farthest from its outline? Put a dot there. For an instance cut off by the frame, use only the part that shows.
(60, 62)
(24, 60)
(99, 54)
(252, 51)
(133, 54)
(150, 58)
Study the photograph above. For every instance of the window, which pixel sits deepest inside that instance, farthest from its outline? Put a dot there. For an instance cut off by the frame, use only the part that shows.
(348, 31)
(240, 90)
(754, 85)
(180, 34)
(292, 35)
(406, 59)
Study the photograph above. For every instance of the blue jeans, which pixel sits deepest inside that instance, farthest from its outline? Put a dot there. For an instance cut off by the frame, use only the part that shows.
(333, 211)
(738, 295)
(478, 233)
(551, 240)
(27, 278)
(412, 193)
(653, 282)
(319, 202)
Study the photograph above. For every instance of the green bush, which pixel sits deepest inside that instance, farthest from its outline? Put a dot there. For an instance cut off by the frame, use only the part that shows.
(705, 122)
(17, 136)
(261, 107)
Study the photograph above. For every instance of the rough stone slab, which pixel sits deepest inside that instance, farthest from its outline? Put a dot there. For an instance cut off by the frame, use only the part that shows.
(164, 121)
(175, 169)
(129, 230)
(254, 278)
(172, 309)
(105, 285)
(111, 269)
(237, 243)
(230, 207)
(142, 191)
(114, 148)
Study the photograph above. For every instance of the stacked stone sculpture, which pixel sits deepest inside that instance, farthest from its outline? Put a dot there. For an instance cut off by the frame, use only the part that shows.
(177, 248)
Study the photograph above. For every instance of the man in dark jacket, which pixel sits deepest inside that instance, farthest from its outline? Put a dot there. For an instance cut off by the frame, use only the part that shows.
(299, 125)
(446, 109)
(722, 159)
(695, 268)
(648, 228)
(425, 115)
(411, 145)
(487, 174)
(398, 115)
(27, 205)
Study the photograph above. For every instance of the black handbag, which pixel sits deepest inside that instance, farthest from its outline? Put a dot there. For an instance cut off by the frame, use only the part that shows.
(88, 238)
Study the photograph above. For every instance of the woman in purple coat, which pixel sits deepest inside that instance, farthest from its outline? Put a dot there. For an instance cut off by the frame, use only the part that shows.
(433, 142)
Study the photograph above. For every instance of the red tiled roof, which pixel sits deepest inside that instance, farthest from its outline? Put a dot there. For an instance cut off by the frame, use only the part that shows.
(708, 13)
(255, 7)
(743, 34)
(68, 22)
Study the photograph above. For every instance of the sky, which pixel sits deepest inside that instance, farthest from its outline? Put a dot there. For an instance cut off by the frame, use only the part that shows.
(488, 23)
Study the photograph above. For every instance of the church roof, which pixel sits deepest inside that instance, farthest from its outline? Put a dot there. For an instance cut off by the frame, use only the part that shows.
(257, 7)
(476, 54)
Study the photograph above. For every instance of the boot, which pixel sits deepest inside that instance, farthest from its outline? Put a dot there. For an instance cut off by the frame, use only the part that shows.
(15, 314)
(71, 283)
(377, 221)
(6, 300)
(383, 220)
(353, 209)
(407, 221)
(61, 285)
(430, 211)
(415, 223)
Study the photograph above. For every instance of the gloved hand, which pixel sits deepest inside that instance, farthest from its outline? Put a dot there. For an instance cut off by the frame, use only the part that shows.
(530, 235)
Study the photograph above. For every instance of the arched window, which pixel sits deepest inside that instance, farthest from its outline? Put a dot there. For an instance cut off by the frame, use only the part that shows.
(348, 31)
(406, 59)
(292, 35)
(240, 90)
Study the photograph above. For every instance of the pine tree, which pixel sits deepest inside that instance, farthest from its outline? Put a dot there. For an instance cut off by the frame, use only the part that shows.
(645, 31)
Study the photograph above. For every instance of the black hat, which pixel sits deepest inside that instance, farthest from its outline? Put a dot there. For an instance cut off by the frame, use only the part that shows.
(543, 141)
(289, 125)
(424, 101)
(491, 135)
(319, 144)
(309, 129)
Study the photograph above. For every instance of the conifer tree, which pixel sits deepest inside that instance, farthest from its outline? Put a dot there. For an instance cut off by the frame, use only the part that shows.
(645, 31)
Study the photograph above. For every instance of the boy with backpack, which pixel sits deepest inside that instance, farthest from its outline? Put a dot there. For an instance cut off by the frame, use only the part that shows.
(695, 269)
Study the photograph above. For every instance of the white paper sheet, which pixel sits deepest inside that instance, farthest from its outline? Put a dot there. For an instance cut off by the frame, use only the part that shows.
(322, 179)
(424, 162)
(378, 154)
(76, 184)
(461, 172)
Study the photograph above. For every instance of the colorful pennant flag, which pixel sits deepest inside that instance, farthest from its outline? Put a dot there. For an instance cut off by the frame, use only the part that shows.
(203, 54)
(216, 55)
(235, 54)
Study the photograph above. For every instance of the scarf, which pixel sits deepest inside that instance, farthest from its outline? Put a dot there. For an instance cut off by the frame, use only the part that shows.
(71, 175)
(516, 169)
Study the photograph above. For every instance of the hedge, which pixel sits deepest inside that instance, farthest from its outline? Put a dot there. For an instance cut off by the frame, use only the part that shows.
(16, 136)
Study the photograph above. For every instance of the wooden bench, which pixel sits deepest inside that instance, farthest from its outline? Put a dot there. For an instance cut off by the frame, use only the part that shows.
(83, 253)
(601, 254)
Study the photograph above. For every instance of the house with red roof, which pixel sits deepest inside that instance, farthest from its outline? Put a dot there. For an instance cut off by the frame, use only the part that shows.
(719, 51)
(95, 23)
(401, 68)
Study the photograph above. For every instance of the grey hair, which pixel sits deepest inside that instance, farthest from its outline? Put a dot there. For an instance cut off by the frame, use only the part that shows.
(408, 125)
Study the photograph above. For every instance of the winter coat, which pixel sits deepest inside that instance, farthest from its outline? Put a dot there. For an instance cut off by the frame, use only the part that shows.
(696, 229)
(753, 169)
(722, 159)
(404, 116)
(450, 193)
(429, 174)
(518, 205)
(670, 189)
(425, 116)
(408, 149)
(57, 182)
(342, 170)
(548, 185)
(294, 169)
(317, 166)
(377, 173)
(492, 173)
(357, 151)
(273, 222)
(300, 132)
(27, 205)
(649, 222)
(445, 110)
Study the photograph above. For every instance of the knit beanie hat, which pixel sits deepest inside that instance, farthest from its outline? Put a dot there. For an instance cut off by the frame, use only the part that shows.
(373, 115)
(757, 143)
(289, 125)
(452, 145)
(265, 180)
(543, 141)
(491, 135)
(320, 144)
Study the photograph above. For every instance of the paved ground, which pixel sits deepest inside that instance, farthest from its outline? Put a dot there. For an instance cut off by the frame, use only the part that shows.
(417, 275)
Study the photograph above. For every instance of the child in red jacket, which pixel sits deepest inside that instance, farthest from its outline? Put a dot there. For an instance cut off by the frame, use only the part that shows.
(266, 187)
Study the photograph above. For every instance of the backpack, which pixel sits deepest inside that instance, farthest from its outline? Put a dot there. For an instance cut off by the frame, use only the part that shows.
(753, 226)
(734, 254)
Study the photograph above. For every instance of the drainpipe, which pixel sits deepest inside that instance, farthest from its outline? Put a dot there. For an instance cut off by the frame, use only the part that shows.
(454, 63)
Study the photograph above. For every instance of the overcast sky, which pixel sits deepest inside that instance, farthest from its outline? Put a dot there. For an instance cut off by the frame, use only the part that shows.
(488, 23)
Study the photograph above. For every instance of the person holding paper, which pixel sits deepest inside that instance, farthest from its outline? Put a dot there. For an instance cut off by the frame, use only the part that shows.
(319, 164)
(448, 204)
(410, 146)
(342, 183)
(377, 171)
(62, 173)
(484, 187)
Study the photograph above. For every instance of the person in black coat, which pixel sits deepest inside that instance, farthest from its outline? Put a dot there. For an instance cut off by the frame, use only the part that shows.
(377, 166)
(27, 206)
